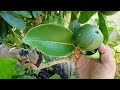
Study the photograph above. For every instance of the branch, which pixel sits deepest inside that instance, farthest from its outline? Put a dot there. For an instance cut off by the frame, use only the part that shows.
(42, 66)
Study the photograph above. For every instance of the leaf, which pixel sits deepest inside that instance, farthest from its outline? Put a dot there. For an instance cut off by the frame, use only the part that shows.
(103, 27)
(85, 16)
(60, 21)
(7, 67)
(73, 16)
(26, 77)
(110, 30)
(76, 13)
(13, 20)
(51, 19)
(23, 13)
(74, 25)
(51, 39)
(3, 29)
(50, 68)
(36, 72)
(20, 70)
(36, 13)
(55, 76)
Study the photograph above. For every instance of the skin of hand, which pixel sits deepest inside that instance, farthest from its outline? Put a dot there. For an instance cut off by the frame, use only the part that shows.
(88, 68)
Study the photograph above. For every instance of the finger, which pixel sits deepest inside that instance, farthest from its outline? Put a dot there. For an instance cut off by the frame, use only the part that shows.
(106, 54)
(103, 49)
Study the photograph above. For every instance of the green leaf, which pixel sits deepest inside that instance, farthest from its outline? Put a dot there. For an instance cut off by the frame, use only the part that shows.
(51, 19)
(26, 77)
(36, 13)
(36, 72)
(20, 70)
(23, 13)
(60, 21)
(51, 39)
(7, 67)
(85, 16)
(50, 68)
(13, 20)
(3, 29)
(55, 76)
(74, 24)
(103, 27)
(110, 30)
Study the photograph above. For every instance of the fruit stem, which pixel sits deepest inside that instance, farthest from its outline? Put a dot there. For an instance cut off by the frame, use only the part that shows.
(95, 55)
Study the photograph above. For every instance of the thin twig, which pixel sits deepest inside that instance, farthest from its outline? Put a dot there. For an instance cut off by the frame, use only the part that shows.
(42, 66)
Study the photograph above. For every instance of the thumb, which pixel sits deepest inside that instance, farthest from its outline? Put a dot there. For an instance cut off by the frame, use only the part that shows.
(106, 54)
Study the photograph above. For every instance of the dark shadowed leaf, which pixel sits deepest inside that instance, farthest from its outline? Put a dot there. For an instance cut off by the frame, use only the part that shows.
(3, 29)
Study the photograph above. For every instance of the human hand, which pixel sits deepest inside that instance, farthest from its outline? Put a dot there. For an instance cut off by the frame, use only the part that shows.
(88, 68)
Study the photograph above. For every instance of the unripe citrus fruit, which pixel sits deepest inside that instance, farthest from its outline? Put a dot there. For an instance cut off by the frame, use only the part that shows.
(88, 37)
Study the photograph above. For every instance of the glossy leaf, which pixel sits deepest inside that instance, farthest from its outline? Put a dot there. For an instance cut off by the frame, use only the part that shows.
(103, 27)
(36, 13)
(51, 39)
(85, 16)
(13, 20)
(55, 76)
(23, 13)
(7, 67)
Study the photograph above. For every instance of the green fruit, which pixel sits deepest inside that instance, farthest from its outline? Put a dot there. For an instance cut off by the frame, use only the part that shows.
(88, 37)
(107, 13)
